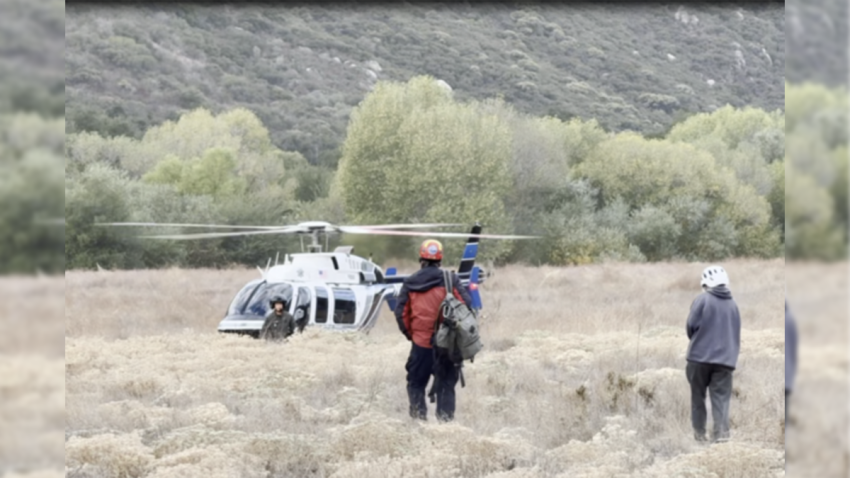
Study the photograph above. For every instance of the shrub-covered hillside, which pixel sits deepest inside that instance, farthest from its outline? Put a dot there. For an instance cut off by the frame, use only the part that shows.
(816, 44)
(301, 69)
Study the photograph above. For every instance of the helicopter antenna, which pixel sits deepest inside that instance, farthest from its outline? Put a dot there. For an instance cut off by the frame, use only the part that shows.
(268, 264)
(262, 274)
(277, 258)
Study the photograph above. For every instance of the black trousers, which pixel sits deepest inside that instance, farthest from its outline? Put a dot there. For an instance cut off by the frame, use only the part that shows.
(421, 365)
(717, 379)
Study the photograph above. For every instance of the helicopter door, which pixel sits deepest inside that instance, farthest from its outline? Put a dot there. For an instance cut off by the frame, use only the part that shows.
(302, 306)
(322, 305)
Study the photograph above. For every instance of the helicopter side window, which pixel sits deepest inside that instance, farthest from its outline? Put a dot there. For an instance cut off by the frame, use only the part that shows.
(345, 307)
(321, 305)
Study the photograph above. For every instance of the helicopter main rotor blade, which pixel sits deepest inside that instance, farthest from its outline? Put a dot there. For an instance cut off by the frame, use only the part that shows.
(212, 235)
(403, 226)
(164, 224)
(355, 230)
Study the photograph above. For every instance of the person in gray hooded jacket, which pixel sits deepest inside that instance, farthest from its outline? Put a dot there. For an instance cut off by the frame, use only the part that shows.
(790, 356)
(714, 330)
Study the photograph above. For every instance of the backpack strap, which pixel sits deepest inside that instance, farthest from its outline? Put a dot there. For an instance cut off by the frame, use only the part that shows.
(447, 279)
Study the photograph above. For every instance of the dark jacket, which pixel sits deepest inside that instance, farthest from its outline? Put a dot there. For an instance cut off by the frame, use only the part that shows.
(714, 329)
(790, 349)
(278, 326)
(419, 301)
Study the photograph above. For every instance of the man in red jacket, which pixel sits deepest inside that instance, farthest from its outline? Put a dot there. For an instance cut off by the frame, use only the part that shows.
(417, 313)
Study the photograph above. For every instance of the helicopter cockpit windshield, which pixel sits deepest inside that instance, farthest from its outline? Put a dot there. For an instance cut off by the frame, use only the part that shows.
(254, 298)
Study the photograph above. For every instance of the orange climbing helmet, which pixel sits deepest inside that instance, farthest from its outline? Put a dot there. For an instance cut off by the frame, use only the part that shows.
(431, 250)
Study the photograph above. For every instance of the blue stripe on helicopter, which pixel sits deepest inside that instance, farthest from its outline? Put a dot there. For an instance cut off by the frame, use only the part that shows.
(473, 291)
(470, 251)
(392, 271)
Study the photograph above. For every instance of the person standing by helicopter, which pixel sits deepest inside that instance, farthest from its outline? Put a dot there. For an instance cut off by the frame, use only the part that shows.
(714, 330)
(417, 313)
(279, 323)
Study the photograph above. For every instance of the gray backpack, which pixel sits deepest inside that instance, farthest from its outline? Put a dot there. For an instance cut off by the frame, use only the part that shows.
(458, 330)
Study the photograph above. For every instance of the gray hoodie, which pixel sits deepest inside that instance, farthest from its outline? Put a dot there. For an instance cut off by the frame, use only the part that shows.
(790, 349)
(714, 328)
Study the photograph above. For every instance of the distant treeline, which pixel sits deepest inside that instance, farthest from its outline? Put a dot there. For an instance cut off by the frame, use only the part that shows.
(32, 135)
(713, 188)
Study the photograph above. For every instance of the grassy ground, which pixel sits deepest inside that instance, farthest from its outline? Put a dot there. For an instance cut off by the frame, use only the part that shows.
(32, 395)
(818, 429)
(583, 376)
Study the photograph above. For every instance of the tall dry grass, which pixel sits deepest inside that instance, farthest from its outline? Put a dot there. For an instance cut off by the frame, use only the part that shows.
(583, 376)
(32, 386)
(818, 431)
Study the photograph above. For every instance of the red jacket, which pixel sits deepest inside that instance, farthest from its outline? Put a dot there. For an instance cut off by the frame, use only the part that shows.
(419, 302)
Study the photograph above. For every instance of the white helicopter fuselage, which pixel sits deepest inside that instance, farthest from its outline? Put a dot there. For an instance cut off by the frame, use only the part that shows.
(335, 290)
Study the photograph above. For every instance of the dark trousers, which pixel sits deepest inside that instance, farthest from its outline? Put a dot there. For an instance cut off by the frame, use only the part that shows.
(421, 365)
(717, 379)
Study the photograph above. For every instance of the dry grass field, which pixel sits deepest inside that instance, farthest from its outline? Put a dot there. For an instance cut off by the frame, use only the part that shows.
(818, 433)
(583, 376)
(32, 395)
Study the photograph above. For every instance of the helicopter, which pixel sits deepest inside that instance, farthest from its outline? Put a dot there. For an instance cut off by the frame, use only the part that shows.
(335, 290)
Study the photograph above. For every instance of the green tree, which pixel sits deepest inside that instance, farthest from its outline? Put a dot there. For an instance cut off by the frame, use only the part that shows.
(413, 154)
(576, 231)
(99, 194)
(30, 192)
(655, 232)
(654, 172)
(731, 125)
(777, 196)
(816, 153)
(811, 229)
(373, 142)
(744, 140)
(212, 174)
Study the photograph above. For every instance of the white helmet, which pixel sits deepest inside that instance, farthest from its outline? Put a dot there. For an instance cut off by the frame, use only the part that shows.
(714, 276)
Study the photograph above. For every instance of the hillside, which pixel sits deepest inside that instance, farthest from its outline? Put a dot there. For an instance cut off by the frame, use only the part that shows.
(32, 47)
(817, 42)
(302, 69)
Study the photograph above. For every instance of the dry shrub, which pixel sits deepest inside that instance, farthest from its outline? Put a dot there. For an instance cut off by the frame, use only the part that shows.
(586, 378)
(31, 315)
(615, 447)
(727, 460)
(36, 474)
(373, 435)
(121, 456)
(224, 461)
(32, 395)
(32, 413)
